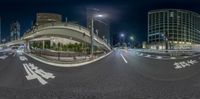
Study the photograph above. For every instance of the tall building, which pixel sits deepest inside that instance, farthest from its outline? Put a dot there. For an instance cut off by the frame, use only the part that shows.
(42, 18)
(101, 26)
(173, 29)
(15, 31)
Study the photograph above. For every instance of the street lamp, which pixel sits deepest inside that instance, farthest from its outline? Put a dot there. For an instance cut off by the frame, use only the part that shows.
(122, 36)
(92, 30)
(132, 40)
(166, 41)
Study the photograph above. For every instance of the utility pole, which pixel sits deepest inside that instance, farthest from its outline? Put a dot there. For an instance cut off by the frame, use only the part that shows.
(92, 37)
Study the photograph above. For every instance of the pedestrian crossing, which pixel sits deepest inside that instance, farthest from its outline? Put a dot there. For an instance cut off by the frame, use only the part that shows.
(5, 55)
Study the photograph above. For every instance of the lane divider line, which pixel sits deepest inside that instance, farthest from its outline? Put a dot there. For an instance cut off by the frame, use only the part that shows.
(123, 58)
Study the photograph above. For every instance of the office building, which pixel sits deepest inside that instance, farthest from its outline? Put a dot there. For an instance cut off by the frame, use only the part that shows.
(173, 29)
(15, 31)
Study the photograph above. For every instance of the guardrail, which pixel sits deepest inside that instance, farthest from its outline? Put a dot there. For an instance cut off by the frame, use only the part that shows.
(72, 26)
(63, 56)
(59, 24)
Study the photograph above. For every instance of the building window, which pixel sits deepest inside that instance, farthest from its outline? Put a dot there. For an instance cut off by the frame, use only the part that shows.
(171, 14)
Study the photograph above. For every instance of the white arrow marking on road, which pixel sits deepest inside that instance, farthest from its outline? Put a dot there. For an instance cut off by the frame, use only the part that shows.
(3, 57)
(123, 58)
(185, 56)
(32, 75)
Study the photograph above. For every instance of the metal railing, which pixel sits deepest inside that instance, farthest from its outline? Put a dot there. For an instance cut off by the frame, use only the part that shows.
(68, 25)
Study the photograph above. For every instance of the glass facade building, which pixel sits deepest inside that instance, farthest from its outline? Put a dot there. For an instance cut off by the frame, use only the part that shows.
(173, 29)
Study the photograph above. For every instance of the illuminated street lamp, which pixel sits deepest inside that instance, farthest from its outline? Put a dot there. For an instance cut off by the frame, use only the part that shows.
(132, 38)
(122, 37)
(92, 30)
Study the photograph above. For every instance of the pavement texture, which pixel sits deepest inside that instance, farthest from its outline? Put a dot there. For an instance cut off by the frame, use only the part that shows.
(121, 75)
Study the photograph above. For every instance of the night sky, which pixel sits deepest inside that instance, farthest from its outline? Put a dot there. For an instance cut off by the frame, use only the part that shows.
(126, 16)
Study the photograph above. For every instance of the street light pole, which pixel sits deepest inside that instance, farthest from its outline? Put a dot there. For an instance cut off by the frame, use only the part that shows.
(166, 42)
(122, 39)
(132, 41)
(92, 37)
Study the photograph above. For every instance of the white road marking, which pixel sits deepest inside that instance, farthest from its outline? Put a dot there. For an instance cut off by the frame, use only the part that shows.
(23, 58)
(123, 58)
(185, 56)
(184, 64)
(14, 54)
(34, 73)
(158, 57)
(141, 54)
(148, 56)
(3, 57)
(172, 57)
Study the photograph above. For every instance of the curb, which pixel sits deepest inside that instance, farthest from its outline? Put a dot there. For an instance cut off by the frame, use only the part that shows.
(68, 65)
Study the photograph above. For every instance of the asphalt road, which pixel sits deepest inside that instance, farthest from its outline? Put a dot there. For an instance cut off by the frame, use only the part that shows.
(121, 75)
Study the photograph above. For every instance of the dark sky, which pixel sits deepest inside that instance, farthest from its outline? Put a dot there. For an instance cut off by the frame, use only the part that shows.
(127, 16)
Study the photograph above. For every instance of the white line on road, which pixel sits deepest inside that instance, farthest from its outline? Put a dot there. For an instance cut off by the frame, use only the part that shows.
(3, 57)
(185, 56)
(32, 75)
(141, 54)
(14, 54)
(172, 57)
(148, 56)
(158, 57)
(124, 58)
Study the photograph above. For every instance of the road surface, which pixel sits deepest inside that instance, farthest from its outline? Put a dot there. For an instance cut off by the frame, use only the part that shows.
(124, 74)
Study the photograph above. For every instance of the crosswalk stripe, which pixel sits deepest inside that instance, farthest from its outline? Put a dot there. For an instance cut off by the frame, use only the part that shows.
(3, 57)
(158, 57)
(185, 57)
(141, 54)
(172, 57)
(148, 56)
